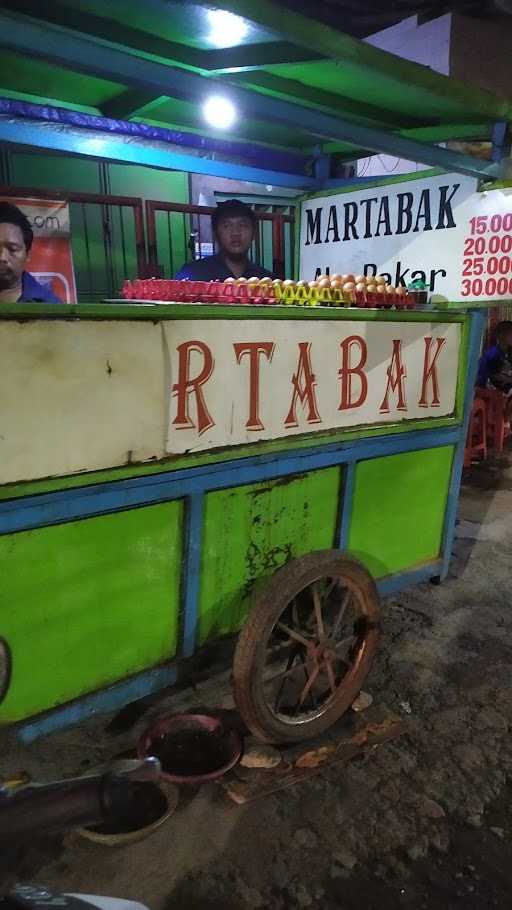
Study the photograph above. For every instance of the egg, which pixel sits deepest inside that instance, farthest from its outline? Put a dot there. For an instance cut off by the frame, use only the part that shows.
(230, 281)
(401, 291)
(380, 280)
(336, 277)
(349, 278)
(336, 283)
(323, 277)
(288, 283)
(241, 280)
(324, 282)
(302, 284)
(349, 287)
(381, 289)
(253, 281)
(390, 290)
(313, 284)
(360, 279)
(371, 288)
(360, 287)
(277, 282)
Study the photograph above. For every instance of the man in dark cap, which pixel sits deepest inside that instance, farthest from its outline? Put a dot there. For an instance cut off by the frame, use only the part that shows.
(233, 225)
(16, 236)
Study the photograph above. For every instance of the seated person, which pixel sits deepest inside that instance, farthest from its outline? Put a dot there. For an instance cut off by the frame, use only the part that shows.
(16, 236)
(233, 225)
(495, 367)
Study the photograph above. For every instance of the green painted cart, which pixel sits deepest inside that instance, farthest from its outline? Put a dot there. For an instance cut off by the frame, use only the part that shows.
(175, 474)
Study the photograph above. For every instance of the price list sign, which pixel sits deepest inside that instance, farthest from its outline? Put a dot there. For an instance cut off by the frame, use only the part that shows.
(438, 229)
(487, 265)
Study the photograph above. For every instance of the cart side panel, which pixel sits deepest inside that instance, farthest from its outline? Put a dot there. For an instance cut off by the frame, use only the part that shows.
(398, 509)
(250, 531)
(87, 603)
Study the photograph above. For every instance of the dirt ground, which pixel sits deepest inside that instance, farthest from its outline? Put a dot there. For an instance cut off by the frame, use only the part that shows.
(422, 822)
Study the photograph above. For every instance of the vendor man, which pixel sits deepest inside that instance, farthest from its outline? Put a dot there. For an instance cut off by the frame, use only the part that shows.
(233, 225)
(16, 236)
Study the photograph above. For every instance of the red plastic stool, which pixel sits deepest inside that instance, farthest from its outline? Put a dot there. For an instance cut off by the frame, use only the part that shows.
(498, 426)
(476, 444)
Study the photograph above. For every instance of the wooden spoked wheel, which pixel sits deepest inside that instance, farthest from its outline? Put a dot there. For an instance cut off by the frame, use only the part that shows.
(306, 647)
(5, 668)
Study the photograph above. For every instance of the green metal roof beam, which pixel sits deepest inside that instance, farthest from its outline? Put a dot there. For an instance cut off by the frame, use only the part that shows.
(246, 57)
(446, 132)
(132, 103)
(86, 56)
(329, 42)
(254, 56)
(109, 31)
(319, 99)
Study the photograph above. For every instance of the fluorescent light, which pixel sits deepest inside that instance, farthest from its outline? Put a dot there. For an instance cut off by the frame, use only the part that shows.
(219, 112)
(226, 29)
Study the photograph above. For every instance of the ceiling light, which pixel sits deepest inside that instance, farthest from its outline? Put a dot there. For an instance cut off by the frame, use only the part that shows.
(226, 29)
(219, 112)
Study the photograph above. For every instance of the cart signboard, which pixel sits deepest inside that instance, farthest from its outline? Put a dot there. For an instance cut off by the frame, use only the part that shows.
(236, 383)
(436, 229)
(213, 383)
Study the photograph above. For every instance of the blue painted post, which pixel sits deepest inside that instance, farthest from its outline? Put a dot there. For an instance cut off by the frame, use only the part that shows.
(478, 319)
(346, 505)
(192, 571)
(501, 142)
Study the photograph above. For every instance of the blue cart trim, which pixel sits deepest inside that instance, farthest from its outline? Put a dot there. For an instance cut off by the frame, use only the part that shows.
(100, 499)
(392, 584)
(101, 702)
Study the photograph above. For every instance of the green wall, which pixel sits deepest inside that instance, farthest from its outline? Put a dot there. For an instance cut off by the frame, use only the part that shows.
(100, 268)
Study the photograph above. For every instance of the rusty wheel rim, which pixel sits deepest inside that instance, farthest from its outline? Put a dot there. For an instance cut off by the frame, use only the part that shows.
(5, 668)
(314, 650)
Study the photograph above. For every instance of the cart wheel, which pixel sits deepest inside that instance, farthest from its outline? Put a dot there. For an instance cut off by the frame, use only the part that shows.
(5, 668)
(307, 647)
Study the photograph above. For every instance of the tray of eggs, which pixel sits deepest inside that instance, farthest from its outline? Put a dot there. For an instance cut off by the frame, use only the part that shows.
(233, 291)
(344, 290)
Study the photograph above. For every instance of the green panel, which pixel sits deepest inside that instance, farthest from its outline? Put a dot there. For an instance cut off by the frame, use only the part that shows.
(88, 603)
(251, 531)
(53, 172)
(398, 509)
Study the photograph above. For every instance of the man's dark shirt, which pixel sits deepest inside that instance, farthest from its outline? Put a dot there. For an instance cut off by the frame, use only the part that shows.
(214, 267)
(33, 291)
(494, 362)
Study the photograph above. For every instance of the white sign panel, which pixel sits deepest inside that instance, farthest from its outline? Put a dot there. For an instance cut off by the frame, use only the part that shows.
(81, 396)
(438, 229)
(238, 382)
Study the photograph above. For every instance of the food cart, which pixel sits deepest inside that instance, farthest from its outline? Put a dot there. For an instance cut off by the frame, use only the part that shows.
(173, 474)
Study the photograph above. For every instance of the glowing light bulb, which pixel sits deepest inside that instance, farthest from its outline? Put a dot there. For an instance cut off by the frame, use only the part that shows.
(226, 29)
(219, 112)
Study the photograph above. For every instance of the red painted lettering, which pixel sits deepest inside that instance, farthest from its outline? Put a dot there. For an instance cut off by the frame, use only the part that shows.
(430, 375)
(186, 386)
(303, 382)
(349, 370)
(396, 375)
(254, 349)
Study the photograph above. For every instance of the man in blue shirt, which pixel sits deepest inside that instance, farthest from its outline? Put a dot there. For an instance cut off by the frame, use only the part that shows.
(495, 368)
(234, 225)
(16, 237)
